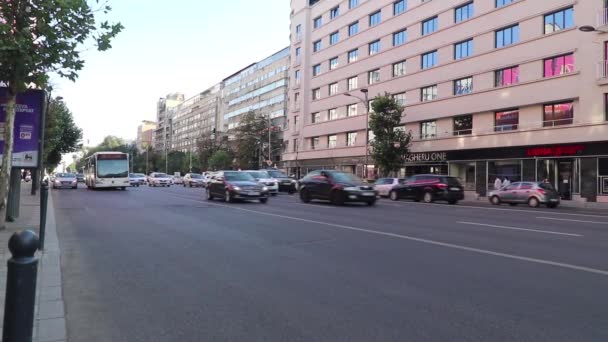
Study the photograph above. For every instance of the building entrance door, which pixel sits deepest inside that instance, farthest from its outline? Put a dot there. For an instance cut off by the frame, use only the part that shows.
(558, 172)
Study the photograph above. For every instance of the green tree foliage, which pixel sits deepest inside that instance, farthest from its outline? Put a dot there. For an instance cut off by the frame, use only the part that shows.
(220, 160)
(252, 141)
(391, 143)
(61, 133)
(38, 38)
(207, 145)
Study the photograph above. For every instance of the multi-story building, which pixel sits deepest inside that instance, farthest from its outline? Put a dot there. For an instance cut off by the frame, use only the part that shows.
(490, 88)
(194, 119)
(145, 134)
(260, 88)
(164, 112)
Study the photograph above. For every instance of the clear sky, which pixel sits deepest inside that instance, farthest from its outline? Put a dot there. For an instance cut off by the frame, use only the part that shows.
(169, 46)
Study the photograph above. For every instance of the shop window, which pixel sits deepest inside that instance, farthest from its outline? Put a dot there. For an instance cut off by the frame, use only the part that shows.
(465, 172)
(558, 114)
(606, 107)
(506, 120)
(603, 175)
(507, 170)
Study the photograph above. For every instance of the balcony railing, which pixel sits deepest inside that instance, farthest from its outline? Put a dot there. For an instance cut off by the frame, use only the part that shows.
(602, 18)
(602, 70)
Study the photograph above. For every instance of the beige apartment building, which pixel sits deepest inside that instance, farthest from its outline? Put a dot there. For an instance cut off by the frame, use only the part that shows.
(490, 88)
(145, 134)
(194, 119)
(165, 108)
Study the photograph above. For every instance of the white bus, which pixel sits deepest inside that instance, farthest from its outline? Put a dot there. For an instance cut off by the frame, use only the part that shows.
(107, 170)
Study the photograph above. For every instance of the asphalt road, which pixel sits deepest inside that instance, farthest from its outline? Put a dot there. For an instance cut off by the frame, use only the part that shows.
(163, 264)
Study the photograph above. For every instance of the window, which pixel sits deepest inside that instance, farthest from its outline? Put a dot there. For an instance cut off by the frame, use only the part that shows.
(333, 88)
(334, 38)
(298, 53)
(352, 83)
(399, 7)
(297, 76)
(507, 76)
(463, 125)
(399, 38)
(506, 120)
(295, 145)
(463, 86)
(463, 49)
(334, 12)
(500, 3)
(316, 69)
(399, 98)
(428, 129)
(429, 26)
(606, 107)
(373, 77)
(374, 47)
(351, 110)
(463, 12)
(333, 63)
(314, 142)
(558, 114)
(399, 69)
(332, 114)
(316, 93)
(316, 117)
(370, 105)
(428, 93)
(298, 32)
(316, 46)
(353, 3)
(317, 22)
(353, 29)
(295, 122)
(559, 20)
(351, 138)
(375, 18)
(507, 36)
(559, 65)
(429, 59)
(353, 55)
(332, 141)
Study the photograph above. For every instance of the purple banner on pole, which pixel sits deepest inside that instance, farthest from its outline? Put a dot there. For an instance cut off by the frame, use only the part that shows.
(27, 130)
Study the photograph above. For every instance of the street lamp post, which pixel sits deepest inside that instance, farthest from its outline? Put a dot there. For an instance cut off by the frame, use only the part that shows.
(365, 101)
(191, 155)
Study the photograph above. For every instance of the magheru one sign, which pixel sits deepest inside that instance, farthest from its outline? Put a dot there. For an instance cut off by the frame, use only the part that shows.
(27, 129)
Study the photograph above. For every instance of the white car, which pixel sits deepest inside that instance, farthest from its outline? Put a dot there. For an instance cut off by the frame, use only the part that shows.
(65, 180)
(264, 178)
(159, 179)
(384, 185)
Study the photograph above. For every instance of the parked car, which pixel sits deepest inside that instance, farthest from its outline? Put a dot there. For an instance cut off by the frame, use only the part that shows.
(177, 180)
(286, 183)
(385, 185)
(193, 180)
(80, 177)
(338, 187)
(206, 179)
(65, 180)
(264, 178)
(429, 188)
(236, 185)
(159, 179)
(137, 179)
(532, 193)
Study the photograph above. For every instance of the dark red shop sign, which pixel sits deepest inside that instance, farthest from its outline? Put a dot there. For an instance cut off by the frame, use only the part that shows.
(555, 151)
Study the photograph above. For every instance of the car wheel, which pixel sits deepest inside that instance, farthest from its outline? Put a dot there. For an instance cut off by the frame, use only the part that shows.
(184, 185)
(305, 196)
(533, 202)
(336, 198)
(495, 200)
(452, 202)
(264, 200)
(371, 203)
(209, 195)
(393, 195)
(227, 197)
(552, 205)
(273, 194)
(427, 197)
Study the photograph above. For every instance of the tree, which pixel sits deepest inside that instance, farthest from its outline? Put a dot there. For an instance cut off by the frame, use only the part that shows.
(207, 145)
(220, 160)
(252, 141)
(38, 38)
(391, 143)
(61, 135)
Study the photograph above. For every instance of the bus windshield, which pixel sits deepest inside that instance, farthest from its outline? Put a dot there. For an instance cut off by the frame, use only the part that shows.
(112, 168)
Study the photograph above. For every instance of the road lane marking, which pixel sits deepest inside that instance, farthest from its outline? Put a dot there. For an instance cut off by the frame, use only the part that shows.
(502, 209)
(570, 220)
(421, 240)
(517, 228)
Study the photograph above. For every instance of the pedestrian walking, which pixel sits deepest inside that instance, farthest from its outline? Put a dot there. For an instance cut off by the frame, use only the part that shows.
(497, 183)
(506, 182)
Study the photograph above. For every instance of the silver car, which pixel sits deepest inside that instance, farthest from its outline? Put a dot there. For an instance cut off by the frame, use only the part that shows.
(384, 185)
(532, 193)
(65, 180)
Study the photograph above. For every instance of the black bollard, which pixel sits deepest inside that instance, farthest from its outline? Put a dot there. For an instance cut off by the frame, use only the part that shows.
(44, 199)
(20, 288)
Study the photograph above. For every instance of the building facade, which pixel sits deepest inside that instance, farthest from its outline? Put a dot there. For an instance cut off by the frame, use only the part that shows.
(490, 88)
(260, 88)
(164, 114)
(194, 119)
(145, 134)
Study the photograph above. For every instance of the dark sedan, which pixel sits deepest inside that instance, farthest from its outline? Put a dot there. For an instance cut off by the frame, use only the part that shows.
(338, 187)
(236, 185)
(286, 183)
(429, 188)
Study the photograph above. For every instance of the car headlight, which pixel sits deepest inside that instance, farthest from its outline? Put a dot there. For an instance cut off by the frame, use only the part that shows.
(294, 181)
(236, 188)
(265, 188)
(351, 188)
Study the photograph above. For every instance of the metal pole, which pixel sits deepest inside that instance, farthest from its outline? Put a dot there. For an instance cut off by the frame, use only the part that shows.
(147, 153)
(366, 133)
(190, 156)
(269, 150)
(44, 199)
(20, 296)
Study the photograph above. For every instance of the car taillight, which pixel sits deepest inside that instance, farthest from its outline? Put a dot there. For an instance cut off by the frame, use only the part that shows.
(442, 186)
(542, 191)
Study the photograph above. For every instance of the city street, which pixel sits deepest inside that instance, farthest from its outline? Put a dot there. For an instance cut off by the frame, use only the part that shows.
(164, 264)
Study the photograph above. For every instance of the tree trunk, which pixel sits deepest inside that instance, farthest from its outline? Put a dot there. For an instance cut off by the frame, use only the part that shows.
(7, 153)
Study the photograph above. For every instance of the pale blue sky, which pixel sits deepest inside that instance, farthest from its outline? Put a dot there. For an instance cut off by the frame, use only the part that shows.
(169, 46)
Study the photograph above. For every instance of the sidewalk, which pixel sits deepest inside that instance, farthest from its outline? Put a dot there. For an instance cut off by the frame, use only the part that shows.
(49, 321)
